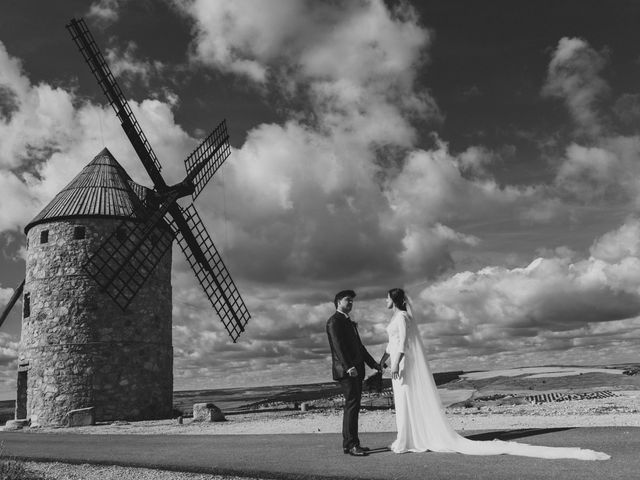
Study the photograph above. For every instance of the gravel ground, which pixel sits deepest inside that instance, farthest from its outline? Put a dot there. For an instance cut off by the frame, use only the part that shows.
(63, 471)
(621, 410)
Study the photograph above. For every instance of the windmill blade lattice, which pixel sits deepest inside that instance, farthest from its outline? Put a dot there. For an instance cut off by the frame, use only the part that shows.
(213, 275)
(128, 256)
(101, 71)
(205, 160)
(125, 260)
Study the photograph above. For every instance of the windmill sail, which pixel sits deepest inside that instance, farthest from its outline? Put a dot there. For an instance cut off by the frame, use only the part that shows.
(128, 256)
(212, 273)
(122, 265)
(205, 160)
(101, 71)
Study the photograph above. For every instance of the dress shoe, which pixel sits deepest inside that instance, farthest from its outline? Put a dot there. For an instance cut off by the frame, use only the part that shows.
(358, 452)
(366, 449)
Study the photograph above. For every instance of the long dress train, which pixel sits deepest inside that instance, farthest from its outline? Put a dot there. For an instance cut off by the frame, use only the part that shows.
(420, 418)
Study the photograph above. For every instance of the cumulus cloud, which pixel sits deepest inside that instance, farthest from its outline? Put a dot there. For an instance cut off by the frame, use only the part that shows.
(294, 191)
(605, 173)
(627, 109)
(49, 135)
(105, 11)
(620, 244)
(600, 165)
(127, 67)
(34, 118)
(436, 186)
(5, 295)
(305, 197)
(302, 205)
(8, 352)
(368, 89)
(557, 301)
(574, 77)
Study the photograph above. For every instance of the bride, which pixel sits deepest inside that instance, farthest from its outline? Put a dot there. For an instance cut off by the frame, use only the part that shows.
(420, 419)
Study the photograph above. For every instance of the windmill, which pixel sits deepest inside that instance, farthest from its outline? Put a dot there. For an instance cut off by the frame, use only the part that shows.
(96, 319)
(121, 266)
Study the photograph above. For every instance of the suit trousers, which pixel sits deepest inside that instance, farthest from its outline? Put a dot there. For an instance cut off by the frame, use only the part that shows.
(352, 391)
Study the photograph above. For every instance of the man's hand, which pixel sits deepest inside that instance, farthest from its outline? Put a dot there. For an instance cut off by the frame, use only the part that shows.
(383, 361)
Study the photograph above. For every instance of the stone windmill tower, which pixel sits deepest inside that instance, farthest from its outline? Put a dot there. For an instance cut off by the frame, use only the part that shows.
(96, 299)
(78, 347)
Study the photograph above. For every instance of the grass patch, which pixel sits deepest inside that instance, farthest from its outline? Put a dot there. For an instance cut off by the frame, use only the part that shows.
(13, 469)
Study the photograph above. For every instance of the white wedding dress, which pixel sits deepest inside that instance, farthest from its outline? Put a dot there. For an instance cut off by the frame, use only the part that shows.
(420, 418)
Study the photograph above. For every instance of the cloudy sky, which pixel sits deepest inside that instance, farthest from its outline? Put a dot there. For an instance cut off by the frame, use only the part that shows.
(483, 155)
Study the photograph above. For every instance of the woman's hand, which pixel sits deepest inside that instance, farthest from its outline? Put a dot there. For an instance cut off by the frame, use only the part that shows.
(395, 372)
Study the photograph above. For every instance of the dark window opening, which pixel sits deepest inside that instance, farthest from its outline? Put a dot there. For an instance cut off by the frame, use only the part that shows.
(27, 243)
(79, 233)
(44, 236)
(21, 401)
(26, 305)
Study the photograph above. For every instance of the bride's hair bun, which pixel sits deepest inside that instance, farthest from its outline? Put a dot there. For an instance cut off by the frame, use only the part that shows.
(398, 298)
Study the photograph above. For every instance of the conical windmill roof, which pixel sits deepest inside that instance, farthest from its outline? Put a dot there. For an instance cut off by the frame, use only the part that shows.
(102, 189)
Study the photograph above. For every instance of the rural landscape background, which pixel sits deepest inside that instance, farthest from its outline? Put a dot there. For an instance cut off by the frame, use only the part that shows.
(484, 155)
(513, 386)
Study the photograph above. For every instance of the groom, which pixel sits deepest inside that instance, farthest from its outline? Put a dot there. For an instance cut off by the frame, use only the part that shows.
(348, 358)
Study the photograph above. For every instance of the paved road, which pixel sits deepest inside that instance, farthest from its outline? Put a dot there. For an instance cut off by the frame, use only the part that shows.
(319, 456)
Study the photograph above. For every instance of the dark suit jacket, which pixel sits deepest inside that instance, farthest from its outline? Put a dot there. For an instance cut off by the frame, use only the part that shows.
(346, 347)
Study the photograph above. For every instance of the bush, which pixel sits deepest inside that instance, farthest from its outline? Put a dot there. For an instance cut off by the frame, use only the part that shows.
(15, 470)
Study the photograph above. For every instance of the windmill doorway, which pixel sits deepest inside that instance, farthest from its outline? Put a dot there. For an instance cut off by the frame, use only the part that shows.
(21, 397)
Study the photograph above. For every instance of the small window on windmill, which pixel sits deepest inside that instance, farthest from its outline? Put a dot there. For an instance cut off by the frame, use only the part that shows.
(44, 236)
(79, 233)
(26, 305)
(27, 247)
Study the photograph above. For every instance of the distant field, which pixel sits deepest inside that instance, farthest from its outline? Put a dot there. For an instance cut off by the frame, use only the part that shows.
(6, 411)
(524, 382)
(529, 380)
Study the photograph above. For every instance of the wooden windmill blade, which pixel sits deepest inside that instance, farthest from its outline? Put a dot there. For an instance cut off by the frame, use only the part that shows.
(121, 268)
(101, 71)
(127, 257)
(206, 263)
(205, 160)
(12, 301)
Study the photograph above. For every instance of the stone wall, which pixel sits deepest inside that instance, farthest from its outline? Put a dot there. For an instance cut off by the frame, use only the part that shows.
(82, 349)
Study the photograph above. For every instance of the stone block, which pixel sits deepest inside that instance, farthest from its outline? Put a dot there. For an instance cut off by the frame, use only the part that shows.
(17, 424)
(207, 412)
(81, 417)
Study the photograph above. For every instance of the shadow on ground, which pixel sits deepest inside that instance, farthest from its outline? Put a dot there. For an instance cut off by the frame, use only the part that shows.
(515, 434)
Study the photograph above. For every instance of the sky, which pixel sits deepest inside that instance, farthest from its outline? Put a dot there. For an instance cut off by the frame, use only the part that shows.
(485, 156)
